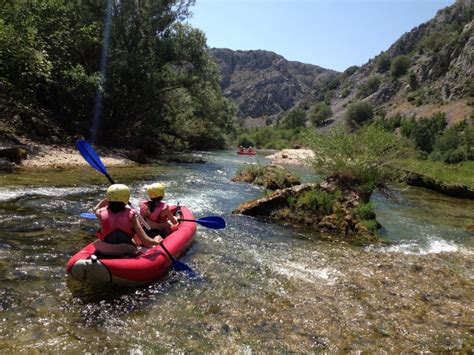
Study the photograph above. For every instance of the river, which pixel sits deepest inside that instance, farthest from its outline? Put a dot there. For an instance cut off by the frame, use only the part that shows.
(265, 287)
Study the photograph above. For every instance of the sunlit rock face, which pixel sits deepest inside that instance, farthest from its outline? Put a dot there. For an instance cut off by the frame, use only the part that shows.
(264, 84)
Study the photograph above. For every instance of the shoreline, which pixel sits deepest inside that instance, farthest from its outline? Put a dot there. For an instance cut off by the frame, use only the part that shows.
(42, 156)
(292, 157)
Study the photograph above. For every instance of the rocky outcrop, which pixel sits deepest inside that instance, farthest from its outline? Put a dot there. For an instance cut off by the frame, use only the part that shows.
(271, 177)
(420, 180)
(440, 76)
(337, 212)
(264, 84)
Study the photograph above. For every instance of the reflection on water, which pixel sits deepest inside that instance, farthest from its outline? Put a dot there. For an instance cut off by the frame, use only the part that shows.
(266, 287)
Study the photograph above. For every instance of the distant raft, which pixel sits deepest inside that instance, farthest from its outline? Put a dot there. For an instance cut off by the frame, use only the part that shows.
(246, 153)
(89, 266)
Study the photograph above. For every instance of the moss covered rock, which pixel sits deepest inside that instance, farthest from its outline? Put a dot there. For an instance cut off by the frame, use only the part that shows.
(272, 177)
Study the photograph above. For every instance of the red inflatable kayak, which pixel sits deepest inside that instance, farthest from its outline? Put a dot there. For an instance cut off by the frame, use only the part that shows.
(246, 153)
(146, 267)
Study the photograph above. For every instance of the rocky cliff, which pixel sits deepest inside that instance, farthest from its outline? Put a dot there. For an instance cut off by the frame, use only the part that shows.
(264, 84)
(437, 75)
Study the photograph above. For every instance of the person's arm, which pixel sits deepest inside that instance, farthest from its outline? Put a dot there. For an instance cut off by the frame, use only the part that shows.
(101, 204)
(171, 218)
(144, 239)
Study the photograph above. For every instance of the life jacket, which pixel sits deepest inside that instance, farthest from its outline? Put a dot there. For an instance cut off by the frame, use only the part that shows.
(116, 227)
(157, 215)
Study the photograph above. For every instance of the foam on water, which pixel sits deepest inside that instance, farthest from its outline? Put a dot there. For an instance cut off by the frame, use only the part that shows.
(11, 194)
(432, 246)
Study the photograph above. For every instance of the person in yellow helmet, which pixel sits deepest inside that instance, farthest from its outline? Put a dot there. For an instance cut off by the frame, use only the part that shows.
(119, 224)
(156, 212)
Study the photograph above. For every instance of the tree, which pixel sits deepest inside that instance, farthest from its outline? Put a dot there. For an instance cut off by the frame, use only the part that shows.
(382, 63)
(400, 66)
(319, 113)
(296, 118)
(161, 89)
(359, 113)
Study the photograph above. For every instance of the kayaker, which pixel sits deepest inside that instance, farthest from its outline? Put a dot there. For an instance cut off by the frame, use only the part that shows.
(119, 224)
(156, 212)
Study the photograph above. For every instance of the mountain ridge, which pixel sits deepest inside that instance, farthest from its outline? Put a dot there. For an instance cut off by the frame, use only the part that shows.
(438, 77)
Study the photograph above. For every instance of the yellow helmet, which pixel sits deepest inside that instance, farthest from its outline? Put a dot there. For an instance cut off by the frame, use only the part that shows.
(155, 190)
(118, 193)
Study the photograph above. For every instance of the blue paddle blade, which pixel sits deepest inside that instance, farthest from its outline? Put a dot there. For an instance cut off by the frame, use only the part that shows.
(89, 154)
(88, 215)
(179, 266)
(213, 222)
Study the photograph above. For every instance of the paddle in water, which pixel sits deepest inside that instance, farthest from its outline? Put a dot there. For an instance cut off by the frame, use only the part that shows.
(90, 155)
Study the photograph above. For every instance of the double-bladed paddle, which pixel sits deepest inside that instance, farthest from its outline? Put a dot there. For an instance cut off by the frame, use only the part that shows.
(89, 154)
(213, 222)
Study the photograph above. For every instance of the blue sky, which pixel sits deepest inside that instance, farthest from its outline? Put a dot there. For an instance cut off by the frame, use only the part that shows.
(334, 34)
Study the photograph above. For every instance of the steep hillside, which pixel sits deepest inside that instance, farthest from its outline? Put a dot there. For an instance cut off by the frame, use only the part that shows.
(264, 84)
(429, 69)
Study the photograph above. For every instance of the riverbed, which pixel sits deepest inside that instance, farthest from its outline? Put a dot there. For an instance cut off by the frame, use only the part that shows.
(265, 287)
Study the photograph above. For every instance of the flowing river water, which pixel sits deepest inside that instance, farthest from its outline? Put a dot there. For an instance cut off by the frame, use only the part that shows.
(265, 287)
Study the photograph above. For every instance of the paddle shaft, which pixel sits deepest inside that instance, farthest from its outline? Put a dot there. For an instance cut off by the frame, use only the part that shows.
(167, 252)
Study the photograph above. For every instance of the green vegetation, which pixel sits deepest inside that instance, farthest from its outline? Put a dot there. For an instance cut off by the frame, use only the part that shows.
(365, 159)
(161, 89)
(369, 87)
(268, 137)
(399, 66)
(359, 113)
(316, 201)
(461, 173)
(351, 70)
(294, 119)
(365, 211)
(432, 137)
(423, 132)
(382, 63)
(319, 113)
(271, 177)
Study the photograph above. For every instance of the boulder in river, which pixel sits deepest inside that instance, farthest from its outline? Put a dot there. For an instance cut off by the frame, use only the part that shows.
(326, 207)
(271, 177)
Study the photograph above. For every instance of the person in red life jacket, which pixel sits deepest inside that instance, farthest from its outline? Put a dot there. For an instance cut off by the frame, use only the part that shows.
(119, 224)
(156, 212)
(241, 149)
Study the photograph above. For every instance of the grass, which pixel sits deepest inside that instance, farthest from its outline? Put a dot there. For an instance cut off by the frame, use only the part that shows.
(462, 173)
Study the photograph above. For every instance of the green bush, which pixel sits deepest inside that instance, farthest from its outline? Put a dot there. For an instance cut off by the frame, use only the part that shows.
(359, 113)
(382, 63)
(345, 92)
(269, 137)
(367, 157)
(368, 88)
(365, 211)
(423, 132)
(246, 141)
(399, 66)
(319, 113)
(391, 123)
(296, 118)
(351, 70)
(317, 201)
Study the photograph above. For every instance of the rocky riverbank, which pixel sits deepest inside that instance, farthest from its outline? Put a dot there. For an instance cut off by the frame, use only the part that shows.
(28, 154)
(292, 157)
